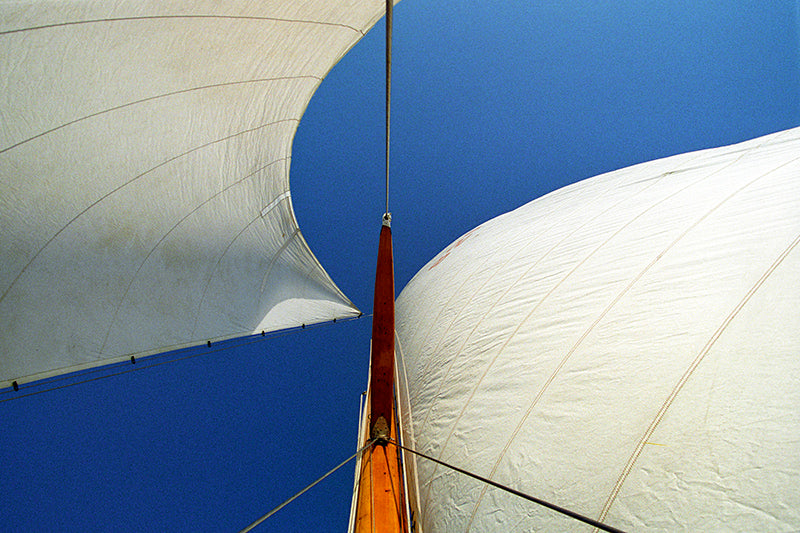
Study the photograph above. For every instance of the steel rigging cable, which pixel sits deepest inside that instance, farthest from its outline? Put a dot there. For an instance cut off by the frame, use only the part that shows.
(552, 506)
(290, 500)
(389, 7)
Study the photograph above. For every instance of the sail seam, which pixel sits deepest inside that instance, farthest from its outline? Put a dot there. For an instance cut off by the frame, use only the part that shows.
(688, 373)
(619, 296)
(275, 257)
(528, 243)
(152, 98)
(269, 207)
(170, 17)
(120, 187)
(660, 176)
(164, 237)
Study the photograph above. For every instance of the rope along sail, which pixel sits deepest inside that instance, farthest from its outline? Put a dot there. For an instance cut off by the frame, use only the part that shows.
(80, 377)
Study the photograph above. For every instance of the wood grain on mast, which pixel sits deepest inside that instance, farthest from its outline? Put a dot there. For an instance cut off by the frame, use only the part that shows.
(381, 503)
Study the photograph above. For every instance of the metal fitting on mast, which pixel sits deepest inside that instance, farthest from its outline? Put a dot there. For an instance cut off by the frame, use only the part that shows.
(380, 430)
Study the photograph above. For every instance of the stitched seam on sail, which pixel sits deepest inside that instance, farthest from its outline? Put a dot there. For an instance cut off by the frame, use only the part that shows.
(491, 363)
(564, 359)
(213, 270)
(685, 377)
(278, 199)
(168, 17)
(275, 257)
(117, 189)
(150, 99)
(615, 301)
(163, 238)
(687, 374)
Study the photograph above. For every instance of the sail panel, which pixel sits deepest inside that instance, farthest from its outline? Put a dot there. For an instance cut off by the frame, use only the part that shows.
(624, 347)
(144, 152)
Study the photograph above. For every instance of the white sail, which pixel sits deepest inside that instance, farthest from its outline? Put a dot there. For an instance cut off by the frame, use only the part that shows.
(144, 163)
(626, 347)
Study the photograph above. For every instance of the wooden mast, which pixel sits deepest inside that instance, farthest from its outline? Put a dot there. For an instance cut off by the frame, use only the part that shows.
(381, 503)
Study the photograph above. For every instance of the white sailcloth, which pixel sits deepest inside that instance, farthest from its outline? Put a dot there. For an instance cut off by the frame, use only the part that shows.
(144, 164)
(626, 347)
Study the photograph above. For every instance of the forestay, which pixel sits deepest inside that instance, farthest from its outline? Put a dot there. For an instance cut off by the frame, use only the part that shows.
(626, 347)
(144, 174)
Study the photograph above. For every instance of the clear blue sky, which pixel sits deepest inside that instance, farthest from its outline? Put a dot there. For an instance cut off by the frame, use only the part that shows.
(495, 104)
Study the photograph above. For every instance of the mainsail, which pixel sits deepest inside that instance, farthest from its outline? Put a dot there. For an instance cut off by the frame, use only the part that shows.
(144, 156)
(626, 346)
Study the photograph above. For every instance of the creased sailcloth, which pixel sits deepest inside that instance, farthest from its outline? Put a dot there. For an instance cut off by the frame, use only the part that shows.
(627, 347)
(144, 163)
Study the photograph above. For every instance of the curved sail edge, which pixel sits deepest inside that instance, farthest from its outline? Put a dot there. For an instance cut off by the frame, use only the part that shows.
(144, 154)
(625, 347)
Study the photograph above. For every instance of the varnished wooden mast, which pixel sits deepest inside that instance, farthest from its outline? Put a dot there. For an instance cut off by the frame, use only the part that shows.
(381, 506)
(381, 383)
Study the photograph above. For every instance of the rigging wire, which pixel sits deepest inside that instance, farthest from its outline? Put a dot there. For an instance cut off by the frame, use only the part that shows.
(290, 500)
(149, 362)
(389, 6)
(552, 506)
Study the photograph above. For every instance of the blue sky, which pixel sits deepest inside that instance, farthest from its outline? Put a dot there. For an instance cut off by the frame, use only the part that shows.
(494, 104)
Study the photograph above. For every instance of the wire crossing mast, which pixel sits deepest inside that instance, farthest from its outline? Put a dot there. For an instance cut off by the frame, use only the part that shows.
(381, 505)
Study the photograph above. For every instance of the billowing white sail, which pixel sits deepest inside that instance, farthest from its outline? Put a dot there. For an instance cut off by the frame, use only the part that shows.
(626, 347)
(144, 163)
